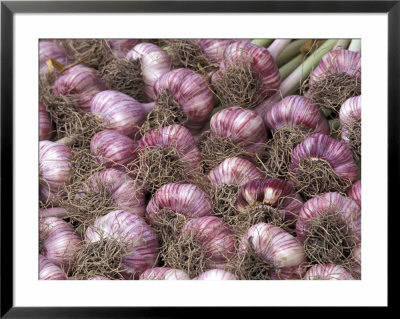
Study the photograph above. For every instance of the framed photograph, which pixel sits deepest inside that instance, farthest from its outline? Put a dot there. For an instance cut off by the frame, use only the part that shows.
(46, 45)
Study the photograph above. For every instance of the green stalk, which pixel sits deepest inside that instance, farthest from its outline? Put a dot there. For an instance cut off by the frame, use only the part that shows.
(289, 67)
(262, 42)
(342, 44)
(355, 45)
(290, 52)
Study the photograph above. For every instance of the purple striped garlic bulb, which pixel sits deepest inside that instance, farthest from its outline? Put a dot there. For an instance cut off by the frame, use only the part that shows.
(336, 78)
(327, 272)
(214, 49)
(271, 200)
(164, 273)
(113, 149)
(333, 214)
(242, 126)
(186, 94)
(296, 111)
(121, 189)
(185, 199)
(215, 238)
(322, 164)
(49, 271)
(277, 253)
(122, 46)
(55, 170)
(247, 75)
(130, 237)
(59, 242)
(216, 274)
(168, 155)
(350, 121)
(119, 112)
(355, 192)
(154, 62)
(356, 265)
(50, 50)
(80, 82)
(45, 125)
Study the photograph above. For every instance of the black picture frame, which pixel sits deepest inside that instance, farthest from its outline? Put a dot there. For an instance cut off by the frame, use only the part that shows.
(9, 8)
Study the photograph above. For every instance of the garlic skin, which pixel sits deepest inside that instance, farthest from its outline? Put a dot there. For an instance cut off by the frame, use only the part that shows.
(82, 82)
(296, 111)
(47, 50)
(274, 245)
(126, 194)
(191, 92)
(214, 48)
(154, 63)
(184, 199)
(328, 203)
(45, 125)
(164, 273)
(336, 62)
(355, 192)
(321, 146)
(262, 64)
(234, 171)
(119, 112)
(350, 111)
(242, 126)
(215, 274)
(49, 271)
(130, 230)
(55, 168)
(121, 47)
(215, 237)
(176, 136)
(113, 149)
(327, 272)
(59, 241)
(274, 192)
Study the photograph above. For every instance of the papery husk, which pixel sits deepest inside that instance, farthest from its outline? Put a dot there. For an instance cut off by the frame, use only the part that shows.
(316, 176)
(166, 112)
(329, 241)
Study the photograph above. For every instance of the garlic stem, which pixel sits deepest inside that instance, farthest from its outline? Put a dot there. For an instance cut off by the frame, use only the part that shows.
(278, 46)
(289, 67)
(291, 84)
(292, 50)
(53, 212)
(355, 45)
(262, 42)
(342, 44)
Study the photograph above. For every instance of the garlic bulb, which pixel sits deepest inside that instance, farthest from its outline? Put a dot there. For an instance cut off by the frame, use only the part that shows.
(154, 62)
(327, 272)
(216, 274)
(164, 273)
(247, 75)
(350, 121)
(122, 46)
(355, 192)
(189, 90)
(50, 50)
(59, 242)
(276, 247)
(49, 271)
(113, 149)
(82, 82)
(356, 257)
(242, 126)
(184, 199)
(55, 169)
(321, 164)
(45, 126)
(119, 112)
(137, 239)
(214, 49)
(296, 111)
(215, 237)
